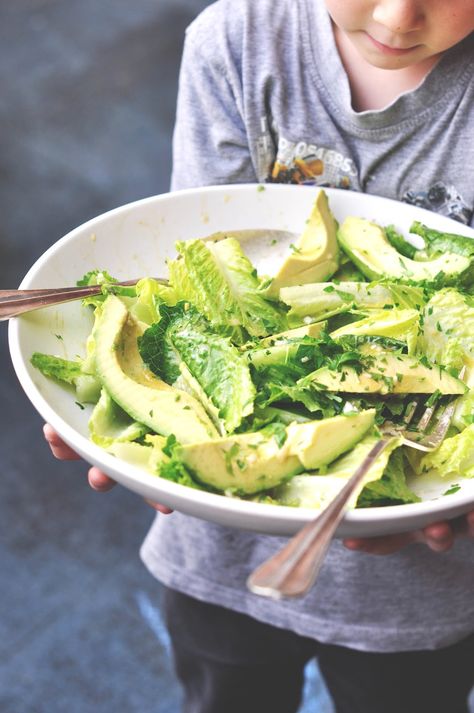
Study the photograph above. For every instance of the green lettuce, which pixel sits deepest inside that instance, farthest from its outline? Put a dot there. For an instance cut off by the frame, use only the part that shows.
(464, 412)
(280, 372)
(72, 372)
(437, 242)
(318, 301)
(454, 457)
(220, 281)
(150, 294)
(391, 488)
(448, 328)
(109, 284)
(54, 367)
(183, 344)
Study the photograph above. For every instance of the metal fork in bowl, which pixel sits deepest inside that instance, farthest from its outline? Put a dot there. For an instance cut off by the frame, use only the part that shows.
(293, 569)
(16, 302)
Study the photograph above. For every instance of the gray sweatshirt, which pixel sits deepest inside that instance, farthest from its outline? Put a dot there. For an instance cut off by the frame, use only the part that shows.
(264, 97)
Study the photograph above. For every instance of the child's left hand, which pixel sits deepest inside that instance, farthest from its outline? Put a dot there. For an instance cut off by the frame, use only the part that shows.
(439, 537)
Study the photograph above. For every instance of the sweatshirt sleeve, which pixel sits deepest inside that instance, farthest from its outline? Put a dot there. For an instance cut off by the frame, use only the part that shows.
(210, 144)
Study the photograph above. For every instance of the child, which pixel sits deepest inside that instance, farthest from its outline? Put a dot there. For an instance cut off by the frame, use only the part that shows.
(375, 96)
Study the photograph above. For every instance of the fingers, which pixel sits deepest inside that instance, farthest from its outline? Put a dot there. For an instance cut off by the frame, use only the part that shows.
(160, 508)
(100, 481)
(385, 545)
(470, 523)
(59, 449)
(439, 537)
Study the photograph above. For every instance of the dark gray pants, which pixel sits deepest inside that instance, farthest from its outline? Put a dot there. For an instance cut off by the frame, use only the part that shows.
(230, 663)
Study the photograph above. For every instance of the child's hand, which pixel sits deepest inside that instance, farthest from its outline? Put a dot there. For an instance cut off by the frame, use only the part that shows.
(97, 479)
(439, 537)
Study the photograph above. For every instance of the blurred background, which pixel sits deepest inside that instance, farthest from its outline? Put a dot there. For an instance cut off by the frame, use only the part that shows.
(87, 105)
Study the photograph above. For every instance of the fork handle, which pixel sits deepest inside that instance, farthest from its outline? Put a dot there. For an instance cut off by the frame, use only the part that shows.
(12, 305)
(16, 302)
(294, 568)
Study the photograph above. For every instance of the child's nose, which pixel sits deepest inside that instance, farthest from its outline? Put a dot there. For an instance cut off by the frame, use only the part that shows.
(399, 16)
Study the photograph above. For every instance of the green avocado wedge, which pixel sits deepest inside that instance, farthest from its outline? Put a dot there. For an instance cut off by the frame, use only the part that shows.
(368, 247)
(315, 255)
(388, 373)
(146, 398)
(247, 463)
(318, 443)
(242, 464)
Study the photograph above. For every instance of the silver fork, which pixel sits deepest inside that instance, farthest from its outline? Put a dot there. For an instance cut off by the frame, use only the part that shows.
(293, 569)
(16, 302)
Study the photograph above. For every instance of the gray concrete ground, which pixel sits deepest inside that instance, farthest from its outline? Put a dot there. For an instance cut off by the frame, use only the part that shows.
(86, 110)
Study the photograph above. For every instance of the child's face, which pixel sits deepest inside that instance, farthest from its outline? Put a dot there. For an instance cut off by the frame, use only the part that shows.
(392, 34)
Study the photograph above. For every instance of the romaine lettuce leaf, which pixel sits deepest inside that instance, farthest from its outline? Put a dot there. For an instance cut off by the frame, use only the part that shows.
(96, 277)
(439, 242)
(408, 296)
(150, 294)
(448, 327)
(109, 283)
(454, 457)
(464, 412)
(318, 301)
(62, 369)
(70, 372)
(183, 344)
(391, 488)
(223, 285)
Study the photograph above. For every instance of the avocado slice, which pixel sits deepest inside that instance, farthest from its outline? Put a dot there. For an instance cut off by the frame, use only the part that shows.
(146, 398)
(368, 247)
(245, 463)
(400, 324)
(315, 253)
(389, 373)
(318, 443)
(250, 462)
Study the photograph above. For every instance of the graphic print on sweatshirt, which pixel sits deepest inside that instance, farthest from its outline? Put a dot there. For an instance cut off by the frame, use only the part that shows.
(442, 198)
(309, 164)
(313, 164)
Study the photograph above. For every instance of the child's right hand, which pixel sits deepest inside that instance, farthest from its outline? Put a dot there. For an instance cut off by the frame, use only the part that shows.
(97, 479)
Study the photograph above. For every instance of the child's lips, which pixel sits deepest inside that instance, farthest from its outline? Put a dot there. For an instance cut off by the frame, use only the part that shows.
(387, 49)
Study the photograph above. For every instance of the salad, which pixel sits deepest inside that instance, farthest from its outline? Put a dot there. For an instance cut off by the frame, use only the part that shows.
(272, 388)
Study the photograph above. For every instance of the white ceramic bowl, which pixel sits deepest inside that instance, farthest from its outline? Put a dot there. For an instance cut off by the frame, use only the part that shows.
(134, 240)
